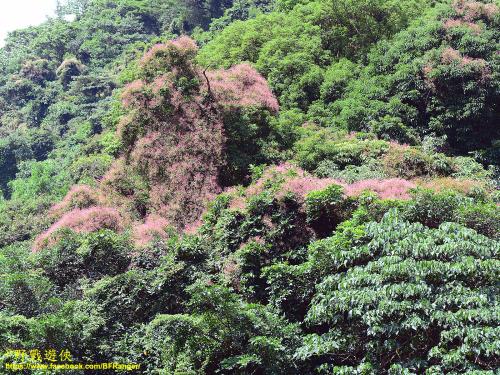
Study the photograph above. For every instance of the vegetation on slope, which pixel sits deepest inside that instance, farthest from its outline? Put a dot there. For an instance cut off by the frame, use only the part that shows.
(310, 187)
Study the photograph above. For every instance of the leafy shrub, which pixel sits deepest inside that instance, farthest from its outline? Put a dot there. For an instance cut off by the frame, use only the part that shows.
(92, 255)
(292, 49)
(324, 245)
(390, 127)
(412, 162)
(433, 209)
(320, 145)
(26, 294)
(484, 218)
(68, 70)
(290, 289)
(90, 169)
(399, 269)
(135, 296)
(104, 253)
(251, 258)
(258, 339)
(325, 208)
(337, 77)
(44, 178)
(431, 78)
(370, 170)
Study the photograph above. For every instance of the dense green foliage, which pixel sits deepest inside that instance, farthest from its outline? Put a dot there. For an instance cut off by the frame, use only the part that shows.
(254, 186)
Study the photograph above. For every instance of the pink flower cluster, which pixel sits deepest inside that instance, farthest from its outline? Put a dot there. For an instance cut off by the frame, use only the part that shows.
(427, 71)
(181, 164)
(81, 221)
(392, 188)
(182, 46)
(452, 23)
(184, 43)
(192, 228)
(116, 179)
(243, 86)
(301, 186)
(133, 94)
(237, 203)
(298, 182)
(175, 145)
(287, 168)
(473, 10)
(79, 196)
(181, 149)
(283, 170)
(450, 55)
(153, 227)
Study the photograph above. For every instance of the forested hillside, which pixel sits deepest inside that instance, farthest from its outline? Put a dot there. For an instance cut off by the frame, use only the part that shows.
(252, 187)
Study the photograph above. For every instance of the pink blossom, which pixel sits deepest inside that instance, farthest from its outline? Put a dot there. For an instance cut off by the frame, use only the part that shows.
(452, 23)
(399, 146)
(242, 85)
(153, 227)
(301, 186)
(79, 196)
(283, 170)
(182, 46)
(450, 55)
(184, 43)
(393, 188)
(473, 10)
(115, 172)
(133, 94)
(181, 150)
(428, 79)
(175, 140)
(192, 228)
(81, 221)
(237, 203)
(490, 10)
(286, 168)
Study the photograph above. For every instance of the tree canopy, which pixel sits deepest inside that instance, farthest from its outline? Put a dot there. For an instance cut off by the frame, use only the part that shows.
(253, 187)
